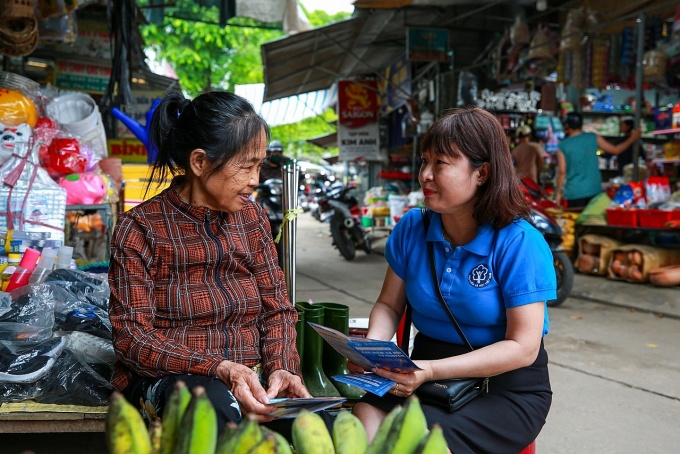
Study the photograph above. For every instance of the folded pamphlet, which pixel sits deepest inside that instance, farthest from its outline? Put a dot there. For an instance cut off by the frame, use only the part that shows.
(291, 407)
(369, 354)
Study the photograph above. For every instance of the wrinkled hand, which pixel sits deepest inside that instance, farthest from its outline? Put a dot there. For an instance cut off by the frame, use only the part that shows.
(285, 384)
(246, 388)
(407, 383)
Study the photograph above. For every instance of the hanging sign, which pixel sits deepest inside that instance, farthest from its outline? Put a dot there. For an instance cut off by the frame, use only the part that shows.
(358, 135)
(395, 85)
(429, 44)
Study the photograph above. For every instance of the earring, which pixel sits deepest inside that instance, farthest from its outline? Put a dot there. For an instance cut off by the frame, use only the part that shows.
(479, 183)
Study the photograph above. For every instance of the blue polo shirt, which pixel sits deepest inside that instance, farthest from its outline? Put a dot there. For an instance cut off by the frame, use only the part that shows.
(479, 281)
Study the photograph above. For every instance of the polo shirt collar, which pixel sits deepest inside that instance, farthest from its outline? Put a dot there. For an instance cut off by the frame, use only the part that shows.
(480, 245)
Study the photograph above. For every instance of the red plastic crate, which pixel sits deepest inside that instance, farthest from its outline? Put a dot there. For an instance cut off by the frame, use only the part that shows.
(624, 218)
(657, 218)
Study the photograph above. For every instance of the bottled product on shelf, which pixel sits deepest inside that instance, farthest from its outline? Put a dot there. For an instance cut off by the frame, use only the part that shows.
(64, 257)
(44, 267)
(23, 272)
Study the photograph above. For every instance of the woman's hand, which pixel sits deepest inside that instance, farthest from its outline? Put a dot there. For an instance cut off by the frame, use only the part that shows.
(244, 384)
(407, 383)
(285, 384)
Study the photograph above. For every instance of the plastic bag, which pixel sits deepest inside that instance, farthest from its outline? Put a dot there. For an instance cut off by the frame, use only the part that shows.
(29, 318)
(92, 289)
(64, 157)
(73, 380)
(29, 364)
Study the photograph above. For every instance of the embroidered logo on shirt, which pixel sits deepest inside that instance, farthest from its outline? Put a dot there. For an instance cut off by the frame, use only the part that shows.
(480, 276)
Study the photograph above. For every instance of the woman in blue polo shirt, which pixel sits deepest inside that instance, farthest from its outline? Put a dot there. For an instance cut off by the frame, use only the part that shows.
(495, 272)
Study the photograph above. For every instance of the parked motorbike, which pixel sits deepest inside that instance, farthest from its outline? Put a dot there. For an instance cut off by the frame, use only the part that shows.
(269, 195)
(552, 232)
(341, 209)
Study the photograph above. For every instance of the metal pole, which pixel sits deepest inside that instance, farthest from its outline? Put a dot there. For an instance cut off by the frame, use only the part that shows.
(291, 174)
(638, 90)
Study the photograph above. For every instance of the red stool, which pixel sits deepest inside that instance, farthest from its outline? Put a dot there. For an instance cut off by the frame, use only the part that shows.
(531, 449)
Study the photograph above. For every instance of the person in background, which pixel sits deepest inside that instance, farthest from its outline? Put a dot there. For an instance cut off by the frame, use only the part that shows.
(626, 127)
(496, 273)
(272, 167)
(528, 155)
(578, 171)
(196, 293)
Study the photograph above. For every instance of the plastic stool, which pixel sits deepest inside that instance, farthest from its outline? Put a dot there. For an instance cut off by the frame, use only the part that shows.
(531, 449)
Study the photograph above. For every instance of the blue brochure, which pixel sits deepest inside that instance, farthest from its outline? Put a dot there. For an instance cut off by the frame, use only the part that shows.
(369, 354)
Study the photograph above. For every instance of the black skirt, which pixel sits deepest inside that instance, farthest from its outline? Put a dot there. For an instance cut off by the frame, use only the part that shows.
(505, 420)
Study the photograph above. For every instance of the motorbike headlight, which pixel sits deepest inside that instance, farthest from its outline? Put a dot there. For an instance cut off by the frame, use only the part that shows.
(543, 224)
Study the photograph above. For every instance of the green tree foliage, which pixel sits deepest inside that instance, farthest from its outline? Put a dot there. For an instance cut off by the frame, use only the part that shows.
(204, 55)
(208, 57)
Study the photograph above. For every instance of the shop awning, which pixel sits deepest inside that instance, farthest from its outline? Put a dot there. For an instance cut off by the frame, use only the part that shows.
(307, 61)
(290, 109)
(325, 141)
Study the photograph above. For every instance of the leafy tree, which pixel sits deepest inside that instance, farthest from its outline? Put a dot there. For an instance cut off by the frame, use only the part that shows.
(204, 55)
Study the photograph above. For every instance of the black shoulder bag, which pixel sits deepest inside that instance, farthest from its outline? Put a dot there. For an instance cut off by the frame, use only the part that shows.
(450, 394)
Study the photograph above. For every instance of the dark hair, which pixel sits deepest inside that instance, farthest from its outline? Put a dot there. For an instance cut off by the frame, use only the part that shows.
(628, 121)
(477, 134)
(573, 120)
(220, 123)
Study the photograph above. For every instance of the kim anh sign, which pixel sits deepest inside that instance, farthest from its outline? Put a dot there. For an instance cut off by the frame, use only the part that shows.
(358, 135)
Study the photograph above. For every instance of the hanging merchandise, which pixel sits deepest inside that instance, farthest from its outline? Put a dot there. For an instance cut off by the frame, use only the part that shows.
(600, 58)
(654, 63)
(519, 32)
(572, 32)
(18, 28)
(540, 45)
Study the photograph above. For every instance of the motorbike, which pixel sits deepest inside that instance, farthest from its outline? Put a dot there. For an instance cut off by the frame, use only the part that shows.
(552, 232)
(268, 194)
(340, 208)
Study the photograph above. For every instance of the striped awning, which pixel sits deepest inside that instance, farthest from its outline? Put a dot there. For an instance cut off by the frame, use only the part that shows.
(291, 109)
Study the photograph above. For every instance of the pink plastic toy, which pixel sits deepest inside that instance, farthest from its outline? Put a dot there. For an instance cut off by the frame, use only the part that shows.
(83, 188)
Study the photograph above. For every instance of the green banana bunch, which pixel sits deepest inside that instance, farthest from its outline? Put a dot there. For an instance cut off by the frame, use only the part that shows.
(198, 429)
(155, 433)
(349, 435)
(377, 446)
(272, 443)
(172, 416)
(282, 445)
(126, 431)
(310, 434)
(241, 439)
(408, 428)
(434, 442)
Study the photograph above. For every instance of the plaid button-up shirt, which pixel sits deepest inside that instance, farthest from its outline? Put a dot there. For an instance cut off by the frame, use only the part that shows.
(191, 287)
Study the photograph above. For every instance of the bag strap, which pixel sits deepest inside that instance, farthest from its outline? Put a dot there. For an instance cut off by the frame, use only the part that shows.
(435, 281)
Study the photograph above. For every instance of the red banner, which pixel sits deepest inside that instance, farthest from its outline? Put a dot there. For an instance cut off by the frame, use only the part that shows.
(357, 102)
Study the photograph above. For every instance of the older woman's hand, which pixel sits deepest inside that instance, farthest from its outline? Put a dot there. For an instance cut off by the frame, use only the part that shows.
(245, 385)
(284, 383)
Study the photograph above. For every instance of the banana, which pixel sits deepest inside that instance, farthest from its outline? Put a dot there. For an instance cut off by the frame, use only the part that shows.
(349, 435)
(245, 437)
(282, 445)
(310, 434)
(198, 429)
(225, 437)
(155, 432)
(378, 443)
(266, 446)
(434, 442)
(126, 431)
(408, 428)
(172, 416)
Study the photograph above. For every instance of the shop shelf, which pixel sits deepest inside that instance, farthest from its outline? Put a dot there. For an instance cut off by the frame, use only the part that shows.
(622, 217)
